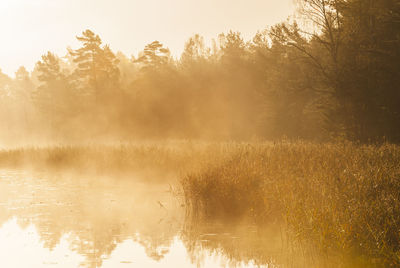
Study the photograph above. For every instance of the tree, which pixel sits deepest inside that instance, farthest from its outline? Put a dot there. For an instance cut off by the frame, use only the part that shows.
(97, 68)
(55, 97)
(154, 55)
(283, 82)
(370, 67)
(5, 84)
(194, 51)
(350, 48)
(160, 98)
(237, 87)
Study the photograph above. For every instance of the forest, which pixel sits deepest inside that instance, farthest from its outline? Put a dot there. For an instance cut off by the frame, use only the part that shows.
(281, 150)
(330, 74)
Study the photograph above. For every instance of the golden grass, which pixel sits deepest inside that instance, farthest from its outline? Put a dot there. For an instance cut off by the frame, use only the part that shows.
(341, 200)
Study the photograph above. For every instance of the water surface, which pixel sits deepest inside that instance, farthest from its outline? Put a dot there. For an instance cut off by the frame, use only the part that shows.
(60, 220)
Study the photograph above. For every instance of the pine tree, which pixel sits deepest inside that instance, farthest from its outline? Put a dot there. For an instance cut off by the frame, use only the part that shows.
(97, 68)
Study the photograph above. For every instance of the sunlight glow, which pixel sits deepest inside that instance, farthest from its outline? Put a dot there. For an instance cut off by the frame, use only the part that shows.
(23, 248)
(29, 28)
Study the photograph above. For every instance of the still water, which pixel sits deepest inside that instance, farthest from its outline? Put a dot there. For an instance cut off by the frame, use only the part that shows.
(60, 220)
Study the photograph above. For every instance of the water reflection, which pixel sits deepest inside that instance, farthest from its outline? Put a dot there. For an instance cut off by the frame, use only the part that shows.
(66, 221)
(238, 242)
(24, 248)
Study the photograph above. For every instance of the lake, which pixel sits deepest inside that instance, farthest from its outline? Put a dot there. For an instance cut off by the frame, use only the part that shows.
(70, 220)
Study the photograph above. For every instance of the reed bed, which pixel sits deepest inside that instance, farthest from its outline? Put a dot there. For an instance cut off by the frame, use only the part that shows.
(337, 200)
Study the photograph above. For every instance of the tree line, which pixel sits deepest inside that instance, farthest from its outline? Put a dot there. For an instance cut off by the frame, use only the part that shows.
(333, 73)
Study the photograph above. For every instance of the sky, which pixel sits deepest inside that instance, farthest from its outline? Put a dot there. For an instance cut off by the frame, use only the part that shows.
(30, 28)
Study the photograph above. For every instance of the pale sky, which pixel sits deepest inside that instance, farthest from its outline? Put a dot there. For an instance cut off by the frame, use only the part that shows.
(29, 28)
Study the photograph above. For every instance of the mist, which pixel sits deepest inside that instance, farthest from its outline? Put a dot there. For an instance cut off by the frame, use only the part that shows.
(276, 148)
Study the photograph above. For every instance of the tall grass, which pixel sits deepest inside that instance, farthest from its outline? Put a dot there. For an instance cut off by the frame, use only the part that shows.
(340, 200)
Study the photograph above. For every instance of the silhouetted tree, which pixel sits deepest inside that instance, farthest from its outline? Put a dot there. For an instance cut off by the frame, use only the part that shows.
(335, 77)
(97, 69)
(154, 55)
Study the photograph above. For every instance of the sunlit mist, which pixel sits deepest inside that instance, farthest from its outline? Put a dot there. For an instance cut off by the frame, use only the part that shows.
(214, 133)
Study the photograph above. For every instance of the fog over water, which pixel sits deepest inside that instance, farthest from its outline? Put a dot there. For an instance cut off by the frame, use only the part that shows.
(210, 133)
(65, 221)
